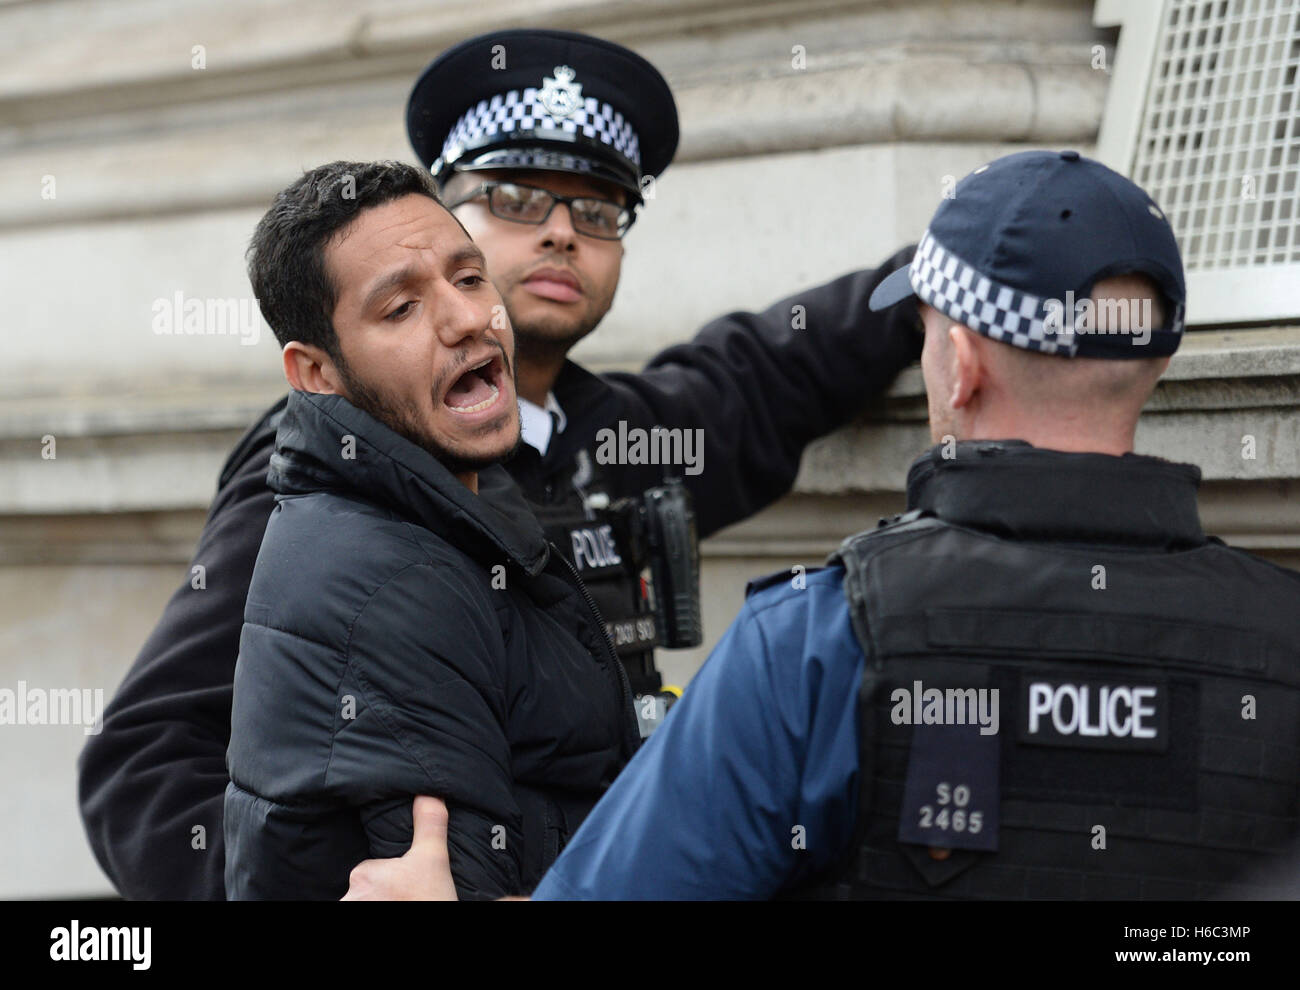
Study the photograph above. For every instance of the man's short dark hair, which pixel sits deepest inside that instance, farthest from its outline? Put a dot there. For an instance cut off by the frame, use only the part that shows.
(286, 258)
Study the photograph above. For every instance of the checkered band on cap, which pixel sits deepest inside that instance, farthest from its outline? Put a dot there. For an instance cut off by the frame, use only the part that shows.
(514, 111)
(1021, 319)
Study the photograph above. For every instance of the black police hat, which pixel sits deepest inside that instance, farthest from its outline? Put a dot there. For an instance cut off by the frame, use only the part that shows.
(540, 99)
(1015, 252)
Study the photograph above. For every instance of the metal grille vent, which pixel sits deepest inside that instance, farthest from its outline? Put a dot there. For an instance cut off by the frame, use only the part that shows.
(1216, 142)
(1219, 147)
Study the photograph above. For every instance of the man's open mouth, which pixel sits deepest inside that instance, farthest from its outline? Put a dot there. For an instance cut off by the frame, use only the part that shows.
(478, 388)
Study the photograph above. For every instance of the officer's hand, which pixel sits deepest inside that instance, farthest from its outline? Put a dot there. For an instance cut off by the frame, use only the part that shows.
(422, 874)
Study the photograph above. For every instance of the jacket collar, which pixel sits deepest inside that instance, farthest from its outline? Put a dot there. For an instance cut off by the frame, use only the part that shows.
(586, 399)
(389, 470)
(1013, 489)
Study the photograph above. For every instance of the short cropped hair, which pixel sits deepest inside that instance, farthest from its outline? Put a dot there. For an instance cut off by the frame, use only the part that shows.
(286, 257)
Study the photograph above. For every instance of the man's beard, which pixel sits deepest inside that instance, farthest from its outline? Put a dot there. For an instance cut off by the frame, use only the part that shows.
(404, 420)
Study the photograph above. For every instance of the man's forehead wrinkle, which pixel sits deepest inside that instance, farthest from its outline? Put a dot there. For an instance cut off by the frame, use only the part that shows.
(365, 222)
(399, 224)
(429, 250)
(366, 219)
(445, 247)
(417, 244)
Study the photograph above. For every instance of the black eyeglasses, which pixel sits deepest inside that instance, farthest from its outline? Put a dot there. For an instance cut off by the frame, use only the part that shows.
(600, 218)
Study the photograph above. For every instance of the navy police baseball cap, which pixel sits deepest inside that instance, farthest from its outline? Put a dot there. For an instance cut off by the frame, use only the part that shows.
(1016, 251)
(554, 101)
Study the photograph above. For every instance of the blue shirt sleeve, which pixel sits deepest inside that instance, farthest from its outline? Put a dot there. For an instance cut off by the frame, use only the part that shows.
(750, 785)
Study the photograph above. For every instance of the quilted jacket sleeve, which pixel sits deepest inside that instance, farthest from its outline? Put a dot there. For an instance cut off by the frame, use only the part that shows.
(331, 743)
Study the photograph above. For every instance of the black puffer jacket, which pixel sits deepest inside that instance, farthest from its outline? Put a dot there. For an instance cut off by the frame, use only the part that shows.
(403, 636)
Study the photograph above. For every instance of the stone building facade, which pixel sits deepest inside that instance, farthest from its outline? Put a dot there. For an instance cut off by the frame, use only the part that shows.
(141, 140)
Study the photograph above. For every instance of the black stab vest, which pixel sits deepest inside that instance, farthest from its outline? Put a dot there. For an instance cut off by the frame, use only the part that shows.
(1172, 783)
(602, 545)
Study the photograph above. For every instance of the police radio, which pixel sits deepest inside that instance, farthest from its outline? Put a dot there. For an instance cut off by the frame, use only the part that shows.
(657, 530)
(674, 556)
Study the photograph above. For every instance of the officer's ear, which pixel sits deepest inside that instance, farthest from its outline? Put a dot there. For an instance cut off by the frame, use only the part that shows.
(308, 368)
(967, 372)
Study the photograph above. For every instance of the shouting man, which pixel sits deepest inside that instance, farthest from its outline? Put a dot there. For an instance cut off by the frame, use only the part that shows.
(406, 629)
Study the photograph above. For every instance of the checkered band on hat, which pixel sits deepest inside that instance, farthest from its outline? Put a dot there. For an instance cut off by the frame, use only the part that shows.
(513, 111)
(1021, 319)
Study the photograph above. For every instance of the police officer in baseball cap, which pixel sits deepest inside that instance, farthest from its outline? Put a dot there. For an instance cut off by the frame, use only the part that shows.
(1030, 684)
(543, 144)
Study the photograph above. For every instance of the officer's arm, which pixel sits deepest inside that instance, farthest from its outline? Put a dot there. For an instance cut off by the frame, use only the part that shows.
(735, 796)
(764, 385)
(151, 783)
